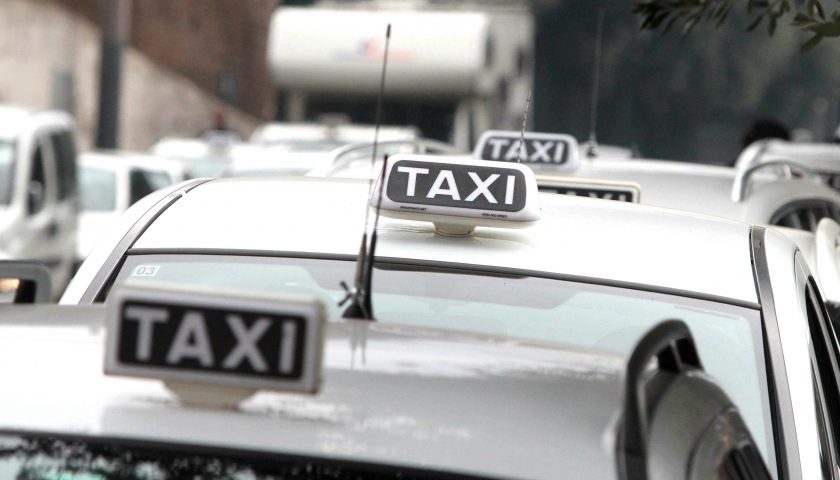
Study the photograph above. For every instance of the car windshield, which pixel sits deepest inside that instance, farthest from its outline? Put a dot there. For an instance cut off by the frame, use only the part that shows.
(534, 308)
(98, 189)
(26, 457)
(7, 165)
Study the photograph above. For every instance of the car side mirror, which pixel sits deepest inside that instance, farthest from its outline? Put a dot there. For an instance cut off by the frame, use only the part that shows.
(34, 197)
(24, 282)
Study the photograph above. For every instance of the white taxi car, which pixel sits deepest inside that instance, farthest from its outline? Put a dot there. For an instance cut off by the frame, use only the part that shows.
(584, 272)
(174, 382)
(781, 192)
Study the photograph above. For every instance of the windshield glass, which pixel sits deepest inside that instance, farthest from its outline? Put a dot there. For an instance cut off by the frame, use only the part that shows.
(7, 170)
(98, 189)
(39, 458)
(585, 315)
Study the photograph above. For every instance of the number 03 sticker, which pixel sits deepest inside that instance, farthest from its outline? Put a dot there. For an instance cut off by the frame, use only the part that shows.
(145, 271)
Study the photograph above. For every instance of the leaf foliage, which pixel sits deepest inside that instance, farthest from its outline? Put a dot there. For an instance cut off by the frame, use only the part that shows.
(807, 15)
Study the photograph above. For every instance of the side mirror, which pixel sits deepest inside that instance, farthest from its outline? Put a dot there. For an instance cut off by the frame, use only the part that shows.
(24, 282)
(34, 197)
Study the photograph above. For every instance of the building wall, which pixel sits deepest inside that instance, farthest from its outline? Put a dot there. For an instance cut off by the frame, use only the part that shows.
(219, 45)
(50, 59)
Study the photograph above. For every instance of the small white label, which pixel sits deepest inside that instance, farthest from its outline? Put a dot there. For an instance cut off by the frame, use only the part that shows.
(145, 271)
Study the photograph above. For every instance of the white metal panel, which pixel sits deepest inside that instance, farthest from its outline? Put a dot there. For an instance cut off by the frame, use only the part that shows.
(576, 236)
(340, 51)
(391, 395)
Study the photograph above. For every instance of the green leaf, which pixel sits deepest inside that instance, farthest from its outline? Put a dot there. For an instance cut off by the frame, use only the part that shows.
(826, 29)
(810, 44)
(754, 23)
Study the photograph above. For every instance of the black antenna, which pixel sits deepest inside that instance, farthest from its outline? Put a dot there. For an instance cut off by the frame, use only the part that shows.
(522, 151)
(592, 143)
(361, 306)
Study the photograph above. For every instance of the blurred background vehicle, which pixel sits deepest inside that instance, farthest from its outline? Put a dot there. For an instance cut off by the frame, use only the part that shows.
(38, 190)
(455, 69)
(112, 181)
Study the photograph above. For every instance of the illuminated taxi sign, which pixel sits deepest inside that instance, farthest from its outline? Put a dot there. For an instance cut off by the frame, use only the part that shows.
(457, 191)
(555, 150)
(605, 190)
(214, 339)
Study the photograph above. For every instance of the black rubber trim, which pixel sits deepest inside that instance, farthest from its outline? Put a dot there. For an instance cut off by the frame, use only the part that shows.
(111, 265)
(465, 267)
(377, 470)
(781, 407)
(672, 344)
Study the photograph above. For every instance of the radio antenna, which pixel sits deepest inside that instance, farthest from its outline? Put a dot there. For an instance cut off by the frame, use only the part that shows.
(361, 306)
(592, 143)
(522, 151)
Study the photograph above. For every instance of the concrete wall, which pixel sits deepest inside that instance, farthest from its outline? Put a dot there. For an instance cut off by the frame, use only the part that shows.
(218, 44)
(49, 58)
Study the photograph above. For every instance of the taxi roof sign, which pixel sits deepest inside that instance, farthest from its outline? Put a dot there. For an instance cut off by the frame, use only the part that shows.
(558, 151)
(214, 340)
(629, 192)
(457, 194)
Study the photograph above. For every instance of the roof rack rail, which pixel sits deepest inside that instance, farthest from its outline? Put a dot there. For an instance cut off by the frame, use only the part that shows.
(421, 145)
(678, 392)
(746, 171)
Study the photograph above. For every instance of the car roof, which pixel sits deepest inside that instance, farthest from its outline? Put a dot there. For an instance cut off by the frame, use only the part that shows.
(279, 132)
(14, 120)
(578, 237)
(395, 395)
(700, 188)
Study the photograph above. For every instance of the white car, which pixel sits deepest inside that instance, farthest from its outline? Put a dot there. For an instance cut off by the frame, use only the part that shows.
(112, 181)
(38, 192)
(783, 194)
(174, 382)
(584, 272)
(200, 157)
(323, 137)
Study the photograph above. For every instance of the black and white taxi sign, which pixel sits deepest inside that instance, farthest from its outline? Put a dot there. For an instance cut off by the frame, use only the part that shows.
(558, 151)
(602, 189)
(457, 190)
(197, 336)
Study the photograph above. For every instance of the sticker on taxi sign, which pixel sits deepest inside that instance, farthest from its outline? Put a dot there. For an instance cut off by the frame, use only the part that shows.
(428, 187)
(201, 336)
(555, 150)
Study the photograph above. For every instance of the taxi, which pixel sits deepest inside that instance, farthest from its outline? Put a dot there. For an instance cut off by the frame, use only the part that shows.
(783, 192)
(473, 246)
(171, 381)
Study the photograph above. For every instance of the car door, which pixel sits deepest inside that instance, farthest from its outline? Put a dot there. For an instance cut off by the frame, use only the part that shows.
(38, 236)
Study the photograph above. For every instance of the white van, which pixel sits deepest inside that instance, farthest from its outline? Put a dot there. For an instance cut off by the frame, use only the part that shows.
(38, 193)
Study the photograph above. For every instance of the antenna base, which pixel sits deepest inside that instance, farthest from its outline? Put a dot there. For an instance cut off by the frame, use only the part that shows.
(208, 396)
(454, 230)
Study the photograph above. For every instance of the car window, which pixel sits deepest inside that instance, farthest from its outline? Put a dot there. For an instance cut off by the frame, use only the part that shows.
(37, 185)
(7, 171)
(28, 457)
(825, 379)
(144, 182)
(729, 337)
(65, 152)
(98, 189)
